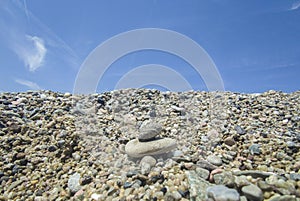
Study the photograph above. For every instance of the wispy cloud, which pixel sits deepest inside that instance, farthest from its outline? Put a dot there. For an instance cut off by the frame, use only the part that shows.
(23, 32)
(295, 6)
(29, 84)
(32, 51)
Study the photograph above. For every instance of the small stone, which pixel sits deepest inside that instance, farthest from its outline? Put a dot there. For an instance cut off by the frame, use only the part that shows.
(61, 143)
(173, 196)
(52, 148)
(76, 156)
(127, 184)
(203, 173)
(290, 144)
(222, 193)
(86, 180)
(20, 155)
(254, 149)
(283, 198)
(229, 141)
(197, 186)
(252, 192)
(215, 160)
(149, 159)
(73, 183)
(295, 176)
(132, 173)
(224, 178)
(95, 196)
(149, 130)
(240, 130)
(145, 168)
(241, 181)
(137, 149)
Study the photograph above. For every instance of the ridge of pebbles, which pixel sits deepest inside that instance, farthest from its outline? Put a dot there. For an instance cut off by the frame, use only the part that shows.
(222, 146)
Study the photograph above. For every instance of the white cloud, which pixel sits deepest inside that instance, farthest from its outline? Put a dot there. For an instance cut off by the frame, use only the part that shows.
(32, 51)
(33, 42)
(295, 6)
(29, 84)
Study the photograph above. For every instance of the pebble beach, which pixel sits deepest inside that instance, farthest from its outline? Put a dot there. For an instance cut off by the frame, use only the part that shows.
(142, 144)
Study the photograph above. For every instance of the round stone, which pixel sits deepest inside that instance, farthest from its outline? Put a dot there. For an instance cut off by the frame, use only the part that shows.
(149, 130)
(215, 160)
(252, 192)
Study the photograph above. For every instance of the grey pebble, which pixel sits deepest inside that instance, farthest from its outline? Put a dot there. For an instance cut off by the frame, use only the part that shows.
(149, 130)
(222, 193)
(73, 183)
(255, 149)
(240, 130)
(253, 192)
(215, 160)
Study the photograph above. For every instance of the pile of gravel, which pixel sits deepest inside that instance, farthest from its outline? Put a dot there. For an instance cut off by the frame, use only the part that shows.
(229, 146)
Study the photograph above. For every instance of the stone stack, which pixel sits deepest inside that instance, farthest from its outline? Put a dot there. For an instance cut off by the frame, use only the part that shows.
(148, 142)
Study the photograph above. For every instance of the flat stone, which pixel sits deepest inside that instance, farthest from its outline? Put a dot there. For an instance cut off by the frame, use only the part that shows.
(283, 198)
(224, 178)
(240, 130)
(254, 173)
(73, 183)
(137, 149)
(206, 165)
(149, 130)
(255, 149)
(148, 159)
(229, 141)
(197, 186)
(222, 193)
(215, 160)
(252, 192)
(203, 173)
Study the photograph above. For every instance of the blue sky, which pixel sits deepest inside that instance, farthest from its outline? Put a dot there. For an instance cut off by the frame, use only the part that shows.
(255, 45)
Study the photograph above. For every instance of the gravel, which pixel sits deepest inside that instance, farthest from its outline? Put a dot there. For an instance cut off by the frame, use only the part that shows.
(60, 146)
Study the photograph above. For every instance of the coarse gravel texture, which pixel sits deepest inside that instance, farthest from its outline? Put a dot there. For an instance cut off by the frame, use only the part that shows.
(59, 146)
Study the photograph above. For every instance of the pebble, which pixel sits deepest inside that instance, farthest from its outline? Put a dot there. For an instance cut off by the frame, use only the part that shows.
(137, 149)
(203, 173)
(255, 149)
(222, 193)
(252, 192)
(215, 160)
(229, 141)
(240, 130)
(73, 183)
(149, 130)
(148, 159)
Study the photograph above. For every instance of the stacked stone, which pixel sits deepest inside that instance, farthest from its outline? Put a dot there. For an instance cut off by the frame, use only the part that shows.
(148, 142)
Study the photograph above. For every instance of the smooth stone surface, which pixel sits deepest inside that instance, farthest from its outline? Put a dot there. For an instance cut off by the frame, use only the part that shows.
(148, 159)
(252, 192)
(283, 198)
(137, 149)
(215, 160)
(229, 141)
(149, 130)
(222, 193)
